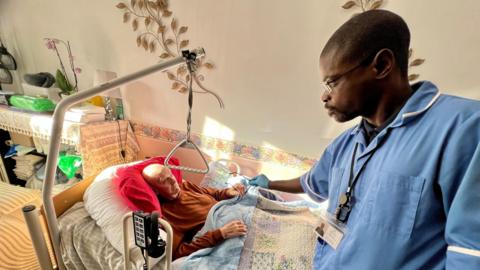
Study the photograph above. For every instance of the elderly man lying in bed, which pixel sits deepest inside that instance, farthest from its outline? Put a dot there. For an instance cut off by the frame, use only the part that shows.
(186, 207)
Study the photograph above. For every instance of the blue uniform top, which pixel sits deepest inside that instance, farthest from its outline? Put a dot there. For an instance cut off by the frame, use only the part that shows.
(417, 201)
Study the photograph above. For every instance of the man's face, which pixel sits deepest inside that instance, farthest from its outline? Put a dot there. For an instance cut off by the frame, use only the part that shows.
(351, 93)
(162, 181)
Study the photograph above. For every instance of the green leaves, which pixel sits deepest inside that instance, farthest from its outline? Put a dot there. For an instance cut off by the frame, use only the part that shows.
(63, 83)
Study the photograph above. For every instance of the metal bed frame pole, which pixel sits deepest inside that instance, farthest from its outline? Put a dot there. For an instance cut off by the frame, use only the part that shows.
(168, 248)
(31, 215)
(56, 134)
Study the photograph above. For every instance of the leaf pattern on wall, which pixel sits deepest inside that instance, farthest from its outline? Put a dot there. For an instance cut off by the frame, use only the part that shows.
(366, 5)
(161, 33)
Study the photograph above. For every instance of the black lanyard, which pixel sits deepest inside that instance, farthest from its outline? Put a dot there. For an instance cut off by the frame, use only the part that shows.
(345, 202)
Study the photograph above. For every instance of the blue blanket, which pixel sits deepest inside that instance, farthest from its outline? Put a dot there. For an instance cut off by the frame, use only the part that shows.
(227, 254)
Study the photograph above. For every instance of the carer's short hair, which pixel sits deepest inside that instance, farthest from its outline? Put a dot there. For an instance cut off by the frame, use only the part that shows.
(365, 34)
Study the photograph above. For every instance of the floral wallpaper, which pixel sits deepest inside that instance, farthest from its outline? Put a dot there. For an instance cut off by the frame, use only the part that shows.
(258, 153)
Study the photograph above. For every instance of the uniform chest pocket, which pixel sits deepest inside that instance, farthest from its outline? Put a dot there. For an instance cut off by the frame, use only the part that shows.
(392, 202)
(334, 187)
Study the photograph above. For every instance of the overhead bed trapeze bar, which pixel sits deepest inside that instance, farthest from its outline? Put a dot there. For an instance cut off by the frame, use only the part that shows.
(56, 133)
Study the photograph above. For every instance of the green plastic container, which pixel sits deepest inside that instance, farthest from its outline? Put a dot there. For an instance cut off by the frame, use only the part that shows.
(37, 104)
(69, 164)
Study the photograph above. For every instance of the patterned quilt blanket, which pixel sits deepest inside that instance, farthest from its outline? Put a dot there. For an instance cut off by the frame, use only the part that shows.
(280, 235)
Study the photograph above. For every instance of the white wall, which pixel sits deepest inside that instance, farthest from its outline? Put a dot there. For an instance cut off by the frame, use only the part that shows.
(266, 53)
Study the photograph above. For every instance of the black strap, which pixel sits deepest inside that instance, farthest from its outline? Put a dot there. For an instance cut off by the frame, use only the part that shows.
(345, 203)
(352, 181)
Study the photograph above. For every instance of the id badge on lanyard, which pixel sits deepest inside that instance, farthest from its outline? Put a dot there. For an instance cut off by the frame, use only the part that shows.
(330, 230)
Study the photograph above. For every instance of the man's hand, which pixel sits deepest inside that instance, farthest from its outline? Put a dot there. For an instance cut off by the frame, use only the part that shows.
(233, 229)
(236, 190)
(260, 180)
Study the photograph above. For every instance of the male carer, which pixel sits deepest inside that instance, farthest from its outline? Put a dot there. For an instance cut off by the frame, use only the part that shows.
(404, 184)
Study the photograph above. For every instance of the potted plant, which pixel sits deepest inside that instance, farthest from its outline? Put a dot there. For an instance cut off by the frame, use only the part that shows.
(67, 85)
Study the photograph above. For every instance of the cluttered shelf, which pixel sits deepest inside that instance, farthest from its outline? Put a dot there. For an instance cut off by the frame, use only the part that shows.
(25, 137)
(37, 125)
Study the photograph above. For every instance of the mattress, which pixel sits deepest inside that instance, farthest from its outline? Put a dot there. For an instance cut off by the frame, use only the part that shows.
(16, 249)
(84, 245)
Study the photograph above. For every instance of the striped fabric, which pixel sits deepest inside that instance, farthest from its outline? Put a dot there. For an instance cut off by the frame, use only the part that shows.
(84, 245)
(16, 250)
(101, 144)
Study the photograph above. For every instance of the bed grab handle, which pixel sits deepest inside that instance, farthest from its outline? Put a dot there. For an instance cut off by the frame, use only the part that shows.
(187, 142)
(190, 57)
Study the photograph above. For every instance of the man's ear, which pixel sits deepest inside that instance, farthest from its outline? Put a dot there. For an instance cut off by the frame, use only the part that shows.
(383, 63)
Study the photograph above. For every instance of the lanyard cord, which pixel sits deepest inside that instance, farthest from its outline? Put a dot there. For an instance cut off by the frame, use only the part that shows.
(352, 181)
(345, 204)
(345, 201)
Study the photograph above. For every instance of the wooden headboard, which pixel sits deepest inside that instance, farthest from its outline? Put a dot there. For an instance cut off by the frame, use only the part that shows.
(67, 198)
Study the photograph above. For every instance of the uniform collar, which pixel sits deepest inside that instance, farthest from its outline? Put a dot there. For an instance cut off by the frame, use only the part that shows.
(424, 96)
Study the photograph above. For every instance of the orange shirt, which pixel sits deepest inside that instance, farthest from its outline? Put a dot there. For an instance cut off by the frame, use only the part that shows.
(187, 214)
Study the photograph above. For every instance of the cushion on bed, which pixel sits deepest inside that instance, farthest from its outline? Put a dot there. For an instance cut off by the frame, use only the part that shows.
(135, 191)
(105, 207)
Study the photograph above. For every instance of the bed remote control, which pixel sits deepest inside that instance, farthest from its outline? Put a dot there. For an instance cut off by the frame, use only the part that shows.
(140, 226)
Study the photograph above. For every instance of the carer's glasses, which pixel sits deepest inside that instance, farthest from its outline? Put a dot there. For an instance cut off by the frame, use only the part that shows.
(330, 83)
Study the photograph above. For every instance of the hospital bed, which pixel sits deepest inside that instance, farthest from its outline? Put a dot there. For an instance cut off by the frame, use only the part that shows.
(82, 238)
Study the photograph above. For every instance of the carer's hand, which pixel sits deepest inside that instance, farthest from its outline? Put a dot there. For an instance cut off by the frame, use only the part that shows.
(236, 190)
(233, 229)
(260, 180)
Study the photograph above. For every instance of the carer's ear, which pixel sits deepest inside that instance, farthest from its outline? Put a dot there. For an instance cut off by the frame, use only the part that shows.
(383, 63)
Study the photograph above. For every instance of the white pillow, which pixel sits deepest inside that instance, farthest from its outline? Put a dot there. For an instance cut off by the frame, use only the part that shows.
(106, 207)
